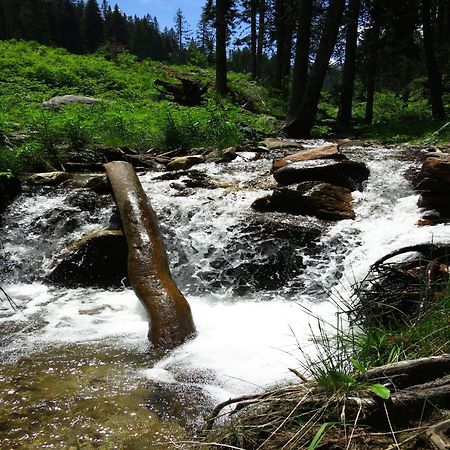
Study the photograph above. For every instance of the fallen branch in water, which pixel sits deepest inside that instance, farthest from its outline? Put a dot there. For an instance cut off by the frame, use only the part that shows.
(9, 300)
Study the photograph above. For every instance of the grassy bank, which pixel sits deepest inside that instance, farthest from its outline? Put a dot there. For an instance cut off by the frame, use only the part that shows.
(337, 405)
(131, 113)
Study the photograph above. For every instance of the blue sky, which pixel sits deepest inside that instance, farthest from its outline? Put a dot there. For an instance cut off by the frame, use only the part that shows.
(164, 10)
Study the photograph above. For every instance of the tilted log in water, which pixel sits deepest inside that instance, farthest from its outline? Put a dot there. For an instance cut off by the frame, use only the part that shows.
(148, 269)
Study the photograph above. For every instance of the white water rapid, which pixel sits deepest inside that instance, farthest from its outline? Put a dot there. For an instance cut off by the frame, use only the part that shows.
(247, 281)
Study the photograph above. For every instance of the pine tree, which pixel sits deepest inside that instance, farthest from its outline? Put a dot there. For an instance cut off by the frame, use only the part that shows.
(119, 32)
(92, 26)
(301, 124)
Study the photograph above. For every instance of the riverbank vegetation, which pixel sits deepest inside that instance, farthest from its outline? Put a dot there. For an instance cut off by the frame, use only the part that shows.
(133, 112)
(375, 384)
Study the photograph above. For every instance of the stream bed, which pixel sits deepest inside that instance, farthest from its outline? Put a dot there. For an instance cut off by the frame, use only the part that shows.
(76, 369)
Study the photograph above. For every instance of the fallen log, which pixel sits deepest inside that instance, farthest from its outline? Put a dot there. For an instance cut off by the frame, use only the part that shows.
(412, 372)
(171, 320)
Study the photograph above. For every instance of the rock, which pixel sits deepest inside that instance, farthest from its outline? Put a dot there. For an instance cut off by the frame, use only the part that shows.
(271, 249)
(99, 185)
(437, 201)
(221, 156)
(190, 179)
(184, 162)
(280, 144)
(436, 169)
(97, 259)
(10, 187)
(62, 100)
(434, 183)
(347, 174)
(322, 200)
(48, 178)
(324, 152)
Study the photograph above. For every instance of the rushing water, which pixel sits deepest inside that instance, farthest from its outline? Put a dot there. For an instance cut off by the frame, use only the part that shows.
(76, 368)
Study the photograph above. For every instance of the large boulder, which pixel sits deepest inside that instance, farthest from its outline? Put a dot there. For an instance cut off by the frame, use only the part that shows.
(347, 174)
(322, 200)
(97, 259)
(436, 167)
(330, 151)
(62, 100)
(265, 252)
(433, 181)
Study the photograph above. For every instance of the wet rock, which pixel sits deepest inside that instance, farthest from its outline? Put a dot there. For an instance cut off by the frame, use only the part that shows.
(97, 259)
(10, 187)
(190, 179)
(221, 156)
(48, 178)
(434, 183)
(322, 200)
(87, 200)
(62, 100)
(99, 185)
(439, 201)
(331, 151)
(184, 162)
(271, 252)
(264, 252)
(436, 168)
(347, 174)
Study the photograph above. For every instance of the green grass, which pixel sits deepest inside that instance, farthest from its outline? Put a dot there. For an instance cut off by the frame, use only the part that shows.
(130, 113)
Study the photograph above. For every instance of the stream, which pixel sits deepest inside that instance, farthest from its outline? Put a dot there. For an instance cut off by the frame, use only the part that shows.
(76, 369)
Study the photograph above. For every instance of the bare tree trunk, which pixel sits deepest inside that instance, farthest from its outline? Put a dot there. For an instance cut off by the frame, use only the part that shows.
(284, 24)
(148, 269)
(434, 76)
(261, 34)
(301, 64)
(253, 37)
(303, 121)
(348, 78)
(221, 48)
(372, 63)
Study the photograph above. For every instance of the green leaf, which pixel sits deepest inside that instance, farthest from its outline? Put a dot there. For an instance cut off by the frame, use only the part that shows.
(318, 437)
(380, 391)
(358, 366)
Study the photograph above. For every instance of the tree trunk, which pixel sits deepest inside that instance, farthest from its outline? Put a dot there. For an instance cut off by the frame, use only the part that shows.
(221, 48)
(148, 269)
(434, 76)
(300, 74)
(348, 78)
(372, 63)
(284, 24)
(303, 121)
(261, 34)
(253, 37)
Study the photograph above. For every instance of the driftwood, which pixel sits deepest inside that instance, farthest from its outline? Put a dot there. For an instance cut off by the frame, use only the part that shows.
(188, 92)
(394, 292)
(148, 270)
(439, 435)
(404, 374)
(428, 251)
(427, 388)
